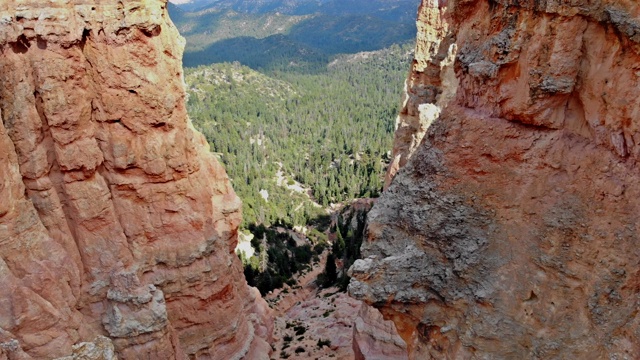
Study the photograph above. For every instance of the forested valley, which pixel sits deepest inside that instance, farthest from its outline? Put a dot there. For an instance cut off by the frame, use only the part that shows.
(303, 127)
(303, 138)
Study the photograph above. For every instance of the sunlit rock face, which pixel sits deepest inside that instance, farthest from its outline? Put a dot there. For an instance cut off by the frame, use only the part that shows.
(430, 86)
(376, 338)
(512, 230)
(115, 220)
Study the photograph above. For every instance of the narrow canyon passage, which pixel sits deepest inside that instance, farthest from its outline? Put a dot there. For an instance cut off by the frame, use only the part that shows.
(507, 227)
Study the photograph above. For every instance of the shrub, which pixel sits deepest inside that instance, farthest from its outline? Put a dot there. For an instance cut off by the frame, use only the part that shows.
(322, 343)
(300, 330)
(330, 274)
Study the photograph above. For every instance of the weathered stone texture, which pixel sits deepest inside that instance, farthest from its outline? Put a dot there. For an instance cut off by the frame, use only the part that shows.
(512, 230)
(376, 338)
(429, 87)
(115, 219)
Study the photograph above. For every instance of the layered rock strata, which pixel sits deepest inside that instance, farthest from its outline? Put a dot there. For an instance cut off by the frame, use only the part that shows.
(376, 338)
(511, 232)
(115, 220)
(430, 86)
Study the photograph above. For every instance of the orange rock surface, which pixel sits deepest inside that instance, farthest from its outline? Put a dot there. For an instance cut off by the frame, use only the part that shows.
(511, 231)
(115, 220)
(376, 338)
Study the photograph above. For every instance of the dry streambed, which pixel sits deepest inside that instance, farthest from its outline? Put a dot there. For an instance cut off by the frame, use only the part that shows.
(313, 323)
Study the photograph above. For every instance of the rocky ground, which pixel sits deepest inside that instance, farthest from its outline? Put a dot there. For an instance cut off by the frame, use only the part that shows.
(313, 323)
(320, 327)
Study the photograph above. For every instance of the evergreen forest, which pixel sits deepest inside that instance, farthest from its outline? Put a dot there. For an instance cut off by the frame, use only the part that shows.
(298, 100)
(294, 143)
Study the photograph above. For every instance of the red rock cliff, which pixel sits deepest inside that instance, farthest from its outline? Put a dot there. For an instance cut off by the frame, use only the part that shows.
(512, 230)
(115, 219)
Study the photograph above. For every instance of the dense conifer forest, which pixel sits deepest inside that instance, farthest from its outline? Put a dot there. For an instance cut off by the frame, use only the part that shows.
(298, 100)
(294, 143)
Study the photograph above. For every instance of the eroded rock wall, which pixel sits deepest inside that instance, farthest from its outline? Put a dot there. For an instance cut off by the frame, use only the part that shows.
(512, 230)
(430, 86)
(115, 219)
(376, 338)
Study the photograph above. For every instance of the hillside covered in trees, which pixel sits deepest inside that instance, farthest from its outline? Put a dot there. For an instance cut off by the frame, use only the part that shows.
(300, 138)
(298, 100)
(301, 35)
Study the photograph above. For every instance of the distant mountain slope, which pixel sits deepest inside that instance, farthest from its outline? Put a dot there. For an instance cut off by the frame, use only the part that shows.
(350, 33)
(400, 9)
(176, 13)
(275, 52)
(207, 27)
(273, 34)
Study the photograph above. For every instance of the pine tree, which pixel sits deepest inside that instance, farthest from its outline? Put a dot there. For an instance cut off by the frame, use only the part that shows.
(264, 256)
(330, 271)
(338, 247)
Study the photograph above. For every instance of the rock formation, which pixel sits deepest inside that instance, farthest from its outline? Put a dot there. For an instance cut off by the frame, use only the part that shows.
(321, 325)
(115, 220)
(511, 232)
(429, 87)
(376, 338)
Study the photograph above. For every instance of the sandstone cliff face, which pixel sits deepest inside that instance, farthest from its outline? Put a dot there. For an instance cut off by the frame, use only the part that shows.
(511, 232)
(430, 86)
(376, 338)
(115, 219)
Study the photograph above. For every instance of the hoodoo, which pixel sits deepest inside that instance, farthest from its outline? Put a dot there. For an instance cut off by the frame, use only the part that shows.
(116, 223)
(511, 228)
